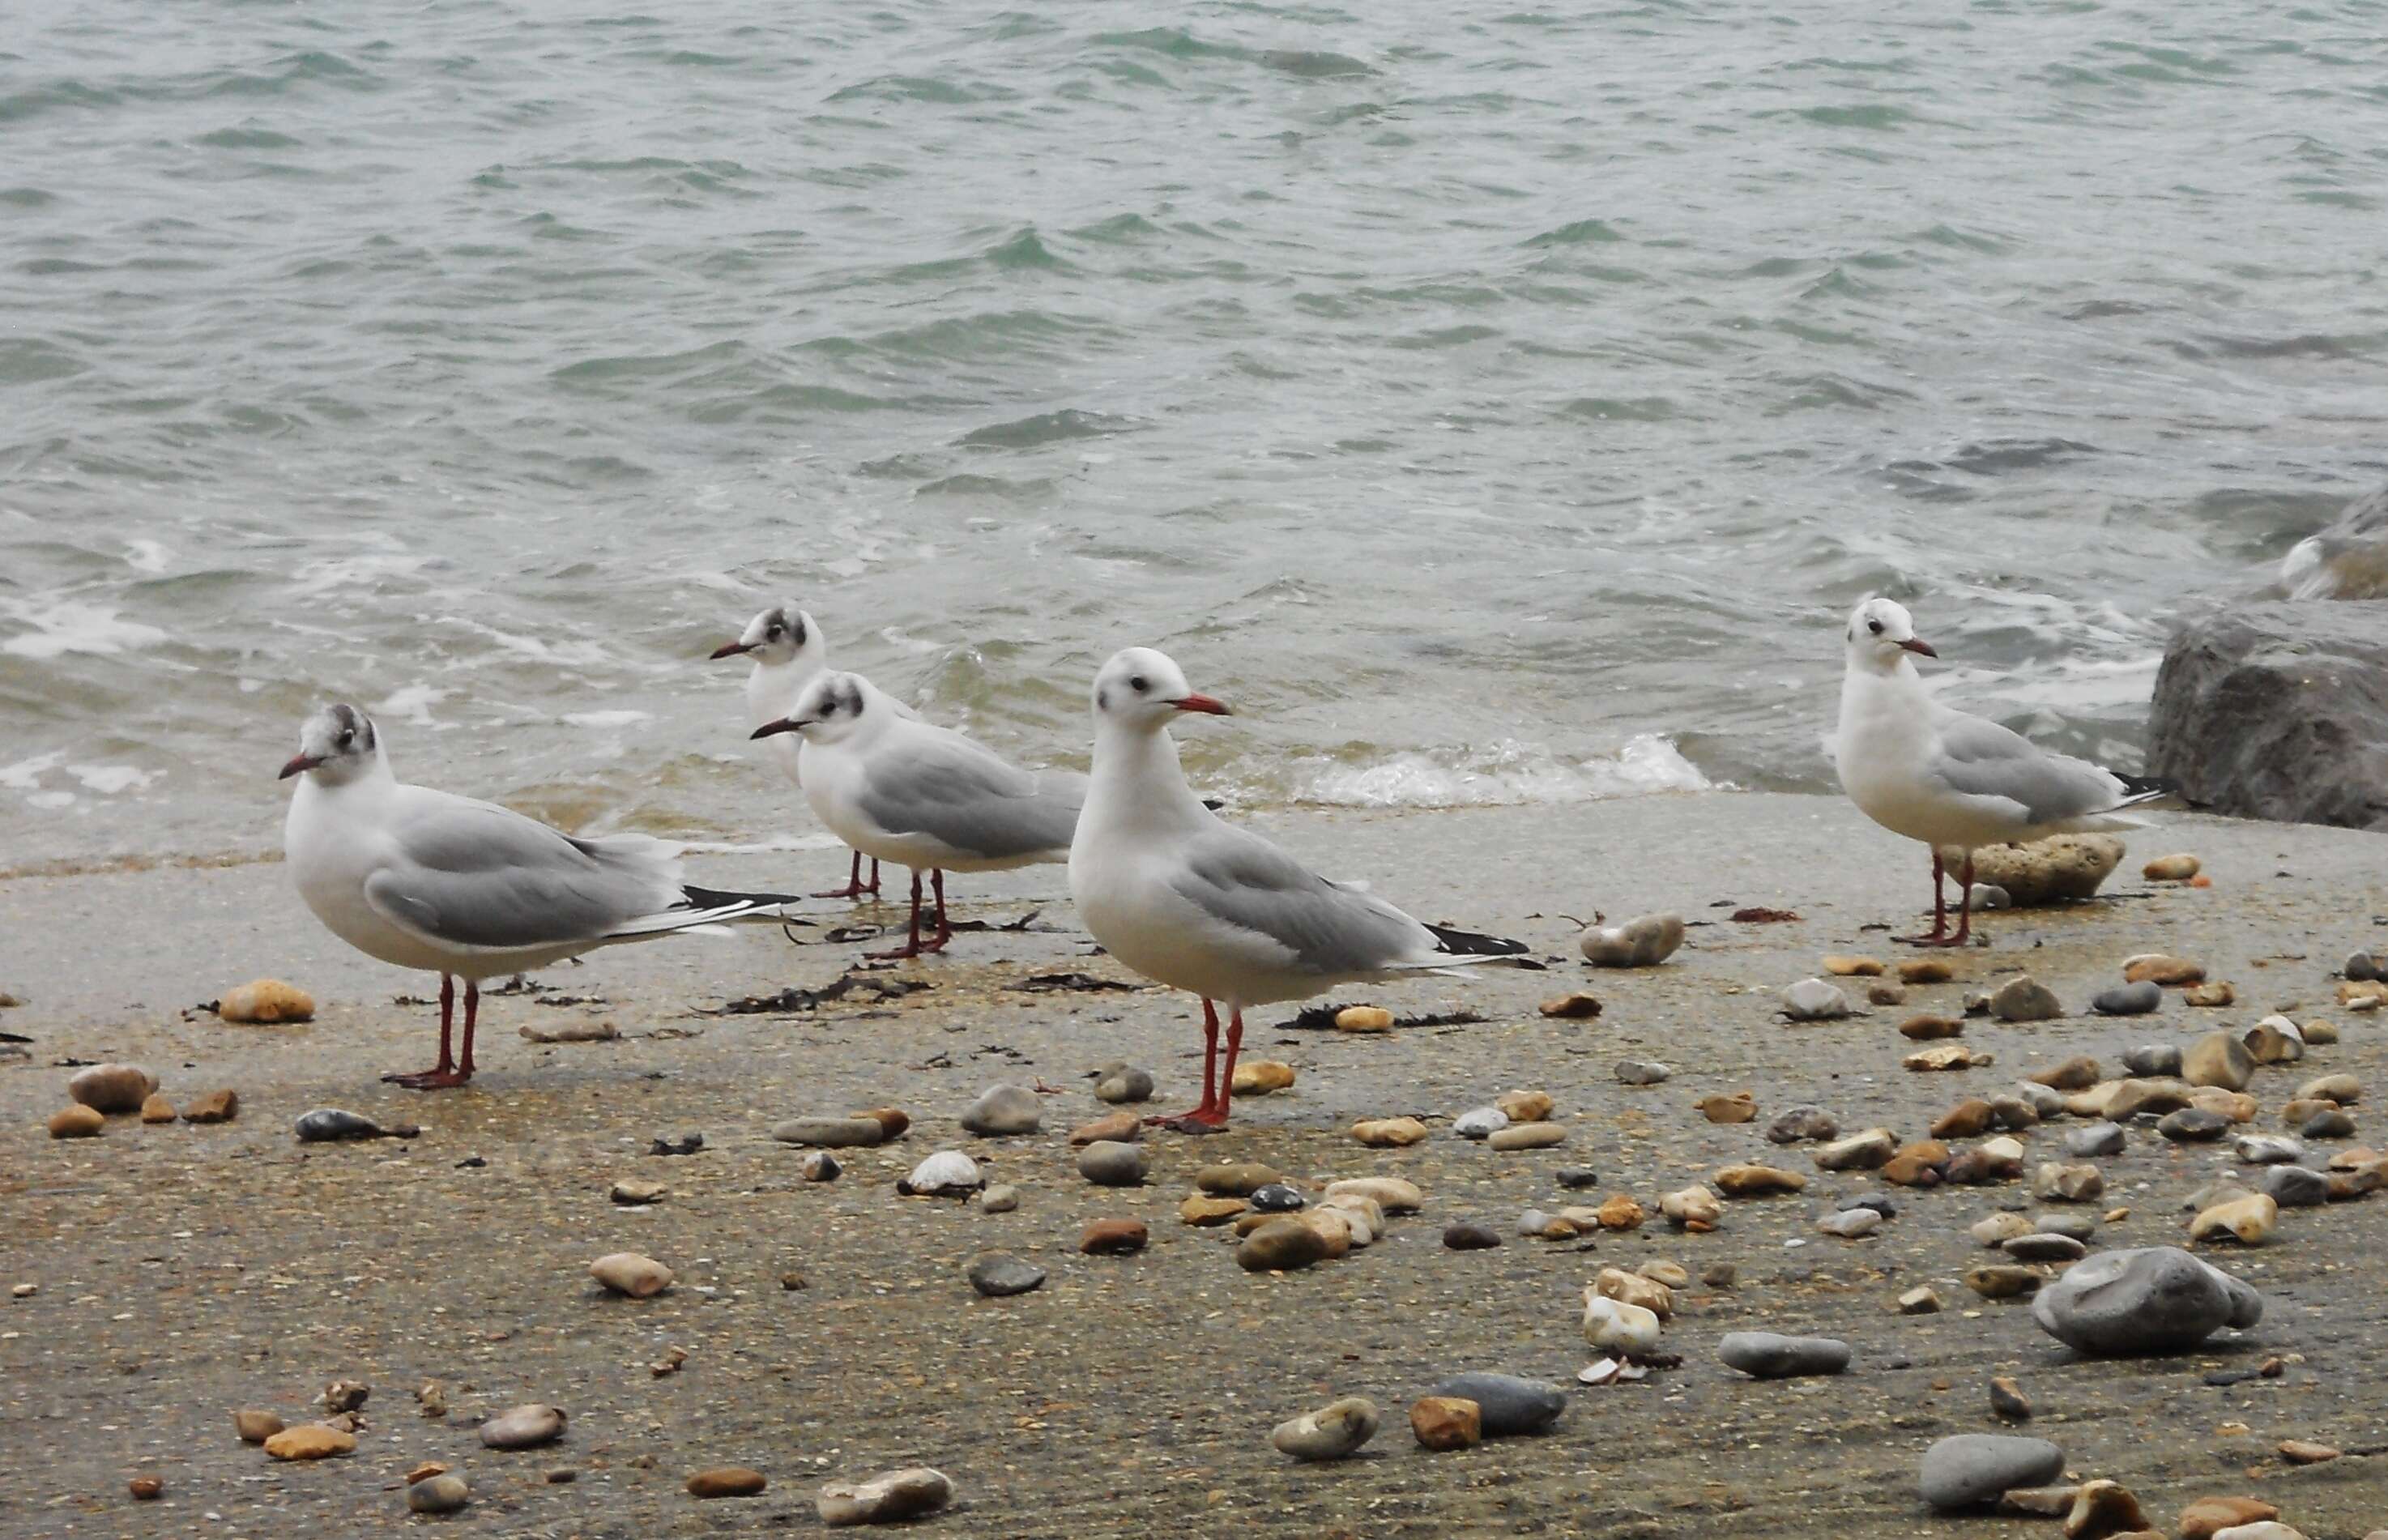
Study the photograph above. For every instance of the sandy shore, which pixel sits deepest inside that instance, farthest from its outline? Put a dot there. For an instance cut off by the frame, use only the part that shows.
(185, 1272)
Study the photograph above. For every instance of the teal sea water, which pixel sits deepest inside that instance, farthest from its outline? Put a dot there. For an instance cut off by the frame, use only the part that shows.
(1495, 403)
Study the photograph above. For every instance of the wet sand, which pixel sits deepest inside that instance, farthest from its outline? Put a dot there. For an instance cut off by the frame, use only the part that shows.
(185, 1271)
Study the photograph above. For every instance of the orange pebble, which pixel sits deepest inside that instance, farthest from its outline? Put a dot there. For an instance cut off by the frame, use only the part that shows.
(2200, 879)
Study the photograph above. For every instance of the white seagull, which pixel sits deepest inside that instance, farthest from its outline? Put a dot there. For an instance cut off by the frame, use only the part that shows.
(1204, 906)
(1922, 769)
(790, 653)
(467, 889)
(900, 789)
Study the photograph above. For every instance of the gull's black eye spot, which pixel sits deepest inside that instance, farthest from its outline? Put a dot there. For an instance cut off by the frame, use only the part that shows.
(348, 736)
(828, 709)
(1139, 683)
(774, 632)
(1874, 626)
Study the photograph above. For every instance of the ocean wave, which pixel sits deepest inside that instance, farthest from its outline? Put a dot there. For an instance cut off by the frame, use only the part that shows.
(1499, 775)
(59, 627)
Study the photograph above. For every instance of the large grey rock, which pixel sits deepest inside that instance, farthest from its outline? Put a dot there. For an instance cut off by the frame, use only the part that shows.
(2277, 711)
(2155, 1299)
(1971, 1469)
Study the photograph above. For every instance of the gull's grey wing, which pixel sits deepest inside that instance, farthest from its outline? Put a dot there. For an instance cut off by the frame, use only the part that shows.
(1239, 879)
(952, 790)
(474, 874)
(1978, 757)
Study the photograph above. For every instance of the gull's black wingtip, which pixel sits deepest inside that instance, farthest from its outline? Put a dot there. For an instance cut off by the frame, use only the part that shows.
(1470, 944)
(714, 897)
(2151, 788)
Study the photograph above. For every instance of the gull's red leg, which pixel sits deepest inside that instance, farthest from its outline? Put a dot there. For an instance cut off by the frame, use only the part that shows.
(1964, 912)
(1965, 905)
(471, 1020)
(854, 888)
(445, 1073)
(944, 929)
(1940, 909)
(1200, 1120)
(1227, 1071)
(912, 947)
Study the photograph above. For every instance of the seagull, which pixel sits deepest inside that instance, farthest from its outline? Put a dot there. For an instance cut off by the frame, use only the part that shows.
(900, 789)
(1947, 778)
(790, 653)
(1200, 905)
(422, 879)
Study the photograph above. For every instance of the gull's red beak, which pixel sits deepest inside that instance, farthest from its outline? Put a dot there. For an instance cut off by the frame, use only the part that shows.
(773, 729)
(732, 649)
(299, 765)
(1203, 704)
(1917, 644)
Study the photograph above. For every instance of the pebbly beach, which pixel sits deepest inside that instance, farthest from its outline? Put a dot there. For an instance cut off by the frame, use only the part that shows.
(165, 1277)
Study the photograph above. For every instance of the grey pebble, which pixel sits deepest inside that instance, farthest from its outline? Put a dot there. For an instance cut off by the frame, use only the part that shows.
(1768, 1356)
(2129, 1000)
(1118, 1083)
(1110, 1162)
(2295, 1187)
(2094, 1140)
(1806, 1121)
(1002, 1110)
(2333, 1122)
(2192, 1126)
(1971, 1470)
(2153, 1061)
(834, 1133)
(441, 1493)
(1511, 1403)
(999, 1277)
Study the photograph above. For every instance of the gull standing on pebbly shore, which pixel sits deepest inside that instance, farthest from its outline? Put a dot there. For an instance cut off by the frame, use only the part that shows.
(425, 879)
(900, 789)
(1200, 905)
(789, 653)
(1942, 776)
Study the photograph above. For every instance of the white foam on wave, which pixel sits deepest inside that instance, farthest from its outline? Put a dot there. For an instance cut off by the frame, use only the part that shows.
(1503, 773)
(622, 718)
(577, 654)
(147, 556)
(112, 779)
(412, 704)
(25, 775)
(65, 627)
(362, 571)
(761, 847)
